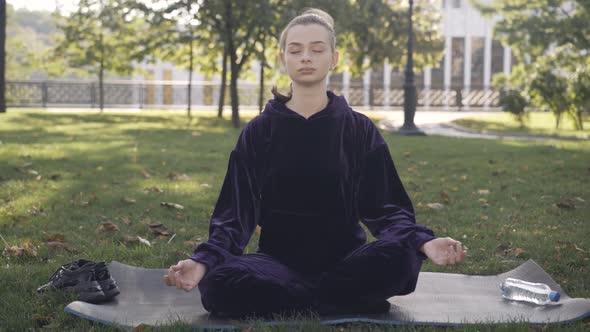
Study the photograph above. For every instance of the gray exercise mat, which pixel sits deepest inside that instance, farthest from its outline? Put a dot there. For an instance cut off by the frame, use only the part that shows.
(439, 299)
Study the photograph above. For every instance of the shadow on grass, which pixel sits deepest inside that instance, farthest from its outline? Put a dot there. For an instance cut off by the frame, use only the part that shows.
(102, 177)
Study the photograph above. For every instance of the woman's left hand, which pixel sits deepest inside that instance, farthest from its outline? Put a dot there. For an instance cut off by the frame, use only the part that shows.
(444, 251)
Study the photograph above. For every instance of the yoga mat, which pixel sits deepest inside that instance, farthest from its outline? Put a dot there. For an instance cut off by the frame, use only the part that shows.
(439, 299)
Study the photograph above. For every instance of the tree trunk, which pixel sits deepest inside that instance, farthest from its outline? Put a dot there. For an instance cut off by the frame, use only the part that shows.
(262, 64)
(235, 115)
(101, 69)
(100, 84)
(223, 83)
(190, 74)
(261, 93)
(2, 55)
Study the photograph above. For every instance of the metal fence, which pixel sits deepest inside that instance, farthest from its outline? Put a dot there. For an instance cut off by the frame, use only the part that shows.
(172, 94)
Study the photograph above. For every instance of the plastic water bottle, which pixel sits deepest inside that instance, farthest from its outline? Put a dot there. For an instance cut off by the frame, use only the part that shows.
(520, 290)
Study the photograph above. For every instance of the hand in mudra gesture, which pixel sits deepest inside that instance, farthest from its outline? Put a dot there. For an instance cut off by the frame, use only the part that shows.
(185, 275)
(444, 251)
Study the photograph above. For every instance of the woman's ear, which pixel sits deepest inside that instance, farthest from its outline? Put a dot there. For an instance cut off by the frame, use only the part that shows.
(281, 63)
(335, 58)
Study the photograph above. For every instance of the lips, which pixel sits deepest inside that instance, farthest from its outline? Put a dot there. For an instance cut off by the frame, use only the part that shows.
(306, 69)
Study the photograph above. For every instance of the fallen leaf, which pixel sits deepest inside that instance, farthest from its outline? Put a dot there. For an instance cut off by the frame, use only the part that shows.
(144, 241)
(578, 248)
(145, 174)
(126, 221)
(483, 191)
(41, 320)
(55, 237)
(107, 226)
(435, 206)
(464, 177)
(33, 172)
(172, 205)
(154, 189)
(59, 245)
(566, 204)
(195, 133)
(130, 239)
(518, 251)
(407, 154)
(178, 177)
(26, 249)
(205, 185)
(445, 197)
(191, 244)
(159, 229)
(579, 199)
(129, 200)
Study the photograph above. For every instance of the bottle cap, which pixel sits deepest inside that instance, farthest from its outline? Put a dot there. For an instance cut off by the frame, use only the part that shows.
(554, 296)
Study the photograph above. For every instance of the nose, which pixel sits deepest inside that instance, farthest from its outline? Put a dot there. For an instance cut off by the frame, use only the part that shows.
(305, 56)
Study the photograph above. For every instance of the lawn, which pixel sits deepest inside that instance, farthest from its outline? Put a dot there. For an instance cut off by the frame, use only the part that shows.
(87, 185)
(538, 123)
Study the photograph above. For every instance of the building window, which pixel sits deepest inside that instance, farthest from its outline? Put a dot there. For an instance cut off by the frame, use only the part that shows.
(477, 50)
(437, 75)
(456, 3)
(457, 58)
(497, 57)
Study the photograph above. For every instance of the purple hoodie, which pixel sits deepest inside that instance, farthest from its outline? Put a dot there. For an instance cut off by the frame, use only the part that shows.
(308, 183)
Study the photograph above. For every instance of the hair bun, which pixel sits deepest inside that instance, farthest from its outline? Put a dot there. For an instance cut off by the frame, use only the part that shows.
(322, 14)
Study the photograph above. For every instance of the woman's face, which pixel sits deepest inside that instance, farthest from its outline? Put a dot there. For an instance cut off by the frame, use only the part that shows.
(308, 56)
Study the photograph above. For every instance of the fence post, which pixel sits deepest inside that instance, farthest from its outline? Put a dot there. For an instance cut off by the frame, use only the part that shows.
(141, 95)
(44, 94)
(92, 95)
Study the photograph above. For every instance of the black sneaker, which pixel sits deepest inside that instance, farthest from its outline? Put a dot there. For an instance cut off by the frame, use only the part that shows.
(77, 277)
(106, 282)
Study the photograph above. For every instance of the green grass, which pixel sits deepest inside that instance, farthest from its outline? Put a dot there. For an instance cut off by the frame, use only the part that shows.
(538, 123)
(64, 174)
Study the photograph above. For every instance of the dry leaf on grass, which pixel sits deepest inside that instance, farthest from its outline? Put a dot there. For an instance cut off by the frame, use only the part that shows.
(178, 177)
(483, 191)
(159, 229)
(129, 200)
(153, 189)
(172, 205)
(568, 204)
(435, 206)
(145, 173)
(445, 197)
(58, 237)
(136, 240)
(26, 249)
(107, 227)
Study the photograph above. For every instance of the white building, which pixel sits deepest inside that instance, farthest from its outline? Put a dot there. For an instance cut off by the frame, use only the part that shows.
(471, 57)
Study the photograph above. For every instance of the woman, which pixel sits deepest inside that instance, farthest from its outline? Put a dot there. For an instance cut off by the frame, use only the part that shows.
(306, 171)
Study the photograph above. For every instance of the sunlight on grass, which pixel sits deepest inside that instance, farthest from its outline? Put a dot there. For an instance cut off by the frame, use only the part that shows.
(538, 123)
(64, 174)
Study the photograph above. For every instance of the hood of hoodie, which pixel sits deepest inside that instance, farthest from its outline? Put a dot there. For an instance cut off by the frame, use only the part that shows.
(337, 105)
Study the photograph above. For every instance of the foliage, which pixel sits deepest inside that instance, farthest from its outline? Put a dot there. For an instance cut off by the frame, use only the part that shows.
(512, 101)
(551, 39)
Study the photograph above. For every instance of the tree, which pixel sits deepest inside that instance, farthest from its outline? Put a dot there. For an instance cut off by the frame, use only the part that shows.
(101, 37)
(552, 41)
(2, 55)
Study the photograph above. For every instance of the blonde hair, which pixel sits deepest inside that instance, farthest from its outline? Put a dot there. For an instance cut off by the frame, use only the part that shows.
(308, 17)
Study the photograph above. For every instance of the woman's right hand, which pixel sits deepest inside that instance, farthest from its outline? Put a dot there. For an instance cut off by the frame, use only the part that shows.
(185, 275)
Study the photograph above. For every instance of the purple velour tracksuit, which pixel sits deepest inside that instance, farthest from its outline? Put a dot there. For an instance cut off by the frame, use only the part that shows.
(308, 183)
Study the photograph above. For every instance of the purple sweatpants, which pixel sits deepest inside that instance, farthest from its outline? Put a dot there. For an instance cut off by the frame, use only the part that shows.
(259, 284)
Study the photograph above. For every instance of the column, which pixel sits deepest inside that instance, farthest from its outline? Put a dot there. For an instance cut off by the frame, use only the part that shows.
(487, 64)
(447, 73)
(366, 87)
(386, 83)
(507, 60)
(427, 84)
(346, 84)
